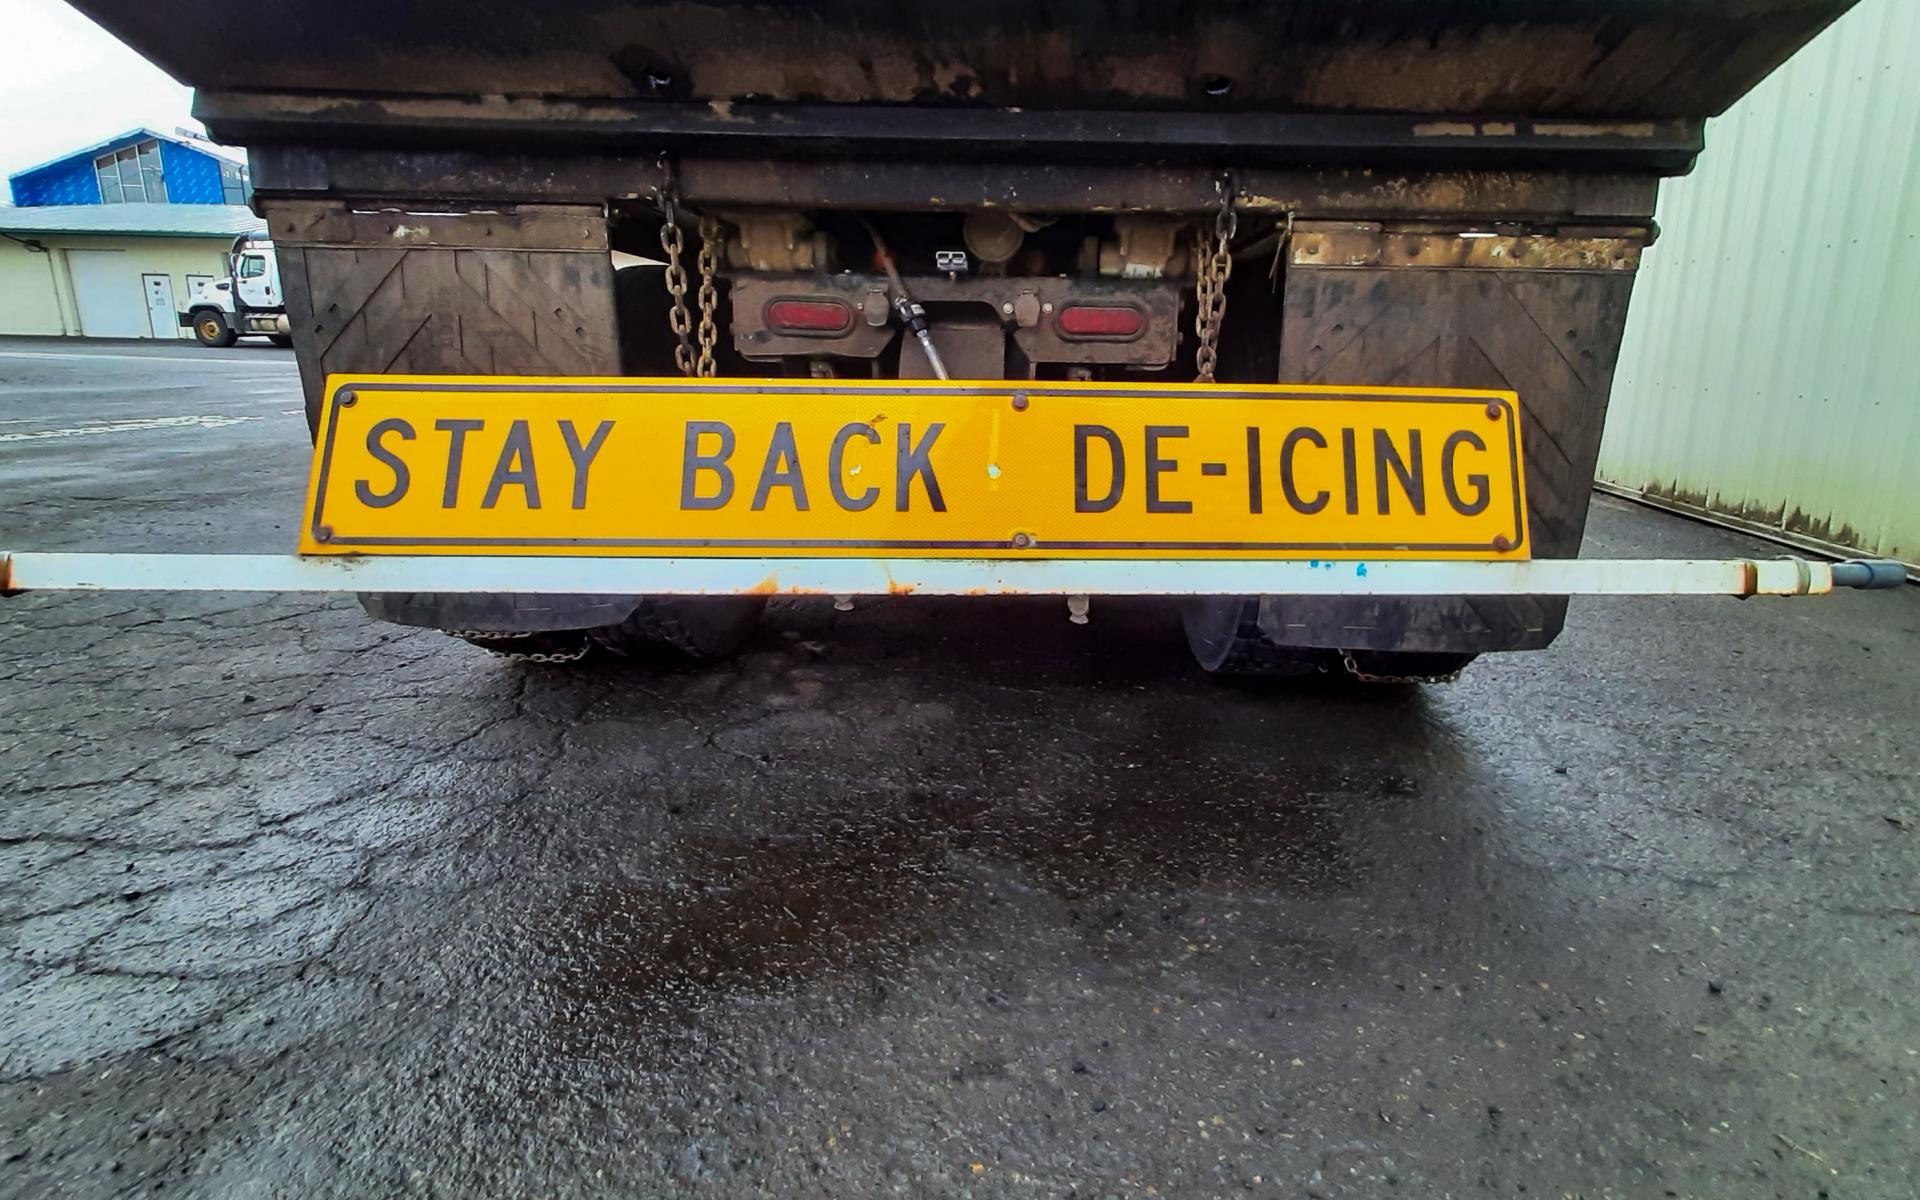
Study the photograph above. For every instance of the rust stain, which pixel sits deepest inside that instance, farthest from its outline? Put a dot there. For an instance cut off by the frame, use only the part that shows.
(1331, 245)
(1761, 517)
(770, 586)
(1632, 129)
(6, 576)
(894, 586)
(1445, 129)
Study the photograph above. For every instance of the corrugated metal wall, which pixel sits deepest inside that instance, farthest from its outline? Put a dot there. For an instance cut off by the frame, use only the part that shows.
(1771, 365)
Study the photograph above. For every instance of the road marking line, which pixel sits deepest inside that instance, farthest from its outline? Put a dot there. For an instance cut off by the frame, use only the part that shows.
(30, 390)
(131, 425)
(165, 358)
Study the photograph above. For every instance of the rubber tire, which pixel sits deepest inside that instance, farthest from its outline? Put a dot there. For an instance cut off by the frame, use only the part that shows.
(210, 328)
(700, 628)
(1223, 632)
(641, 304)
(282, 340)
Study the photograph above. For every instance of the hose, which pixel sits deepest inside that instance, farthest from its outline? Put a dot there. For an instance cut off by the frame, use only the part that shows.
(911, 314)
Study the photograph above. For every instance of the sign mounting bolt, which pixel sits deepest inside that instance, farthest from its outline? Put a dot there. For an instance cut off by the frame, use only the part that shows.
(348, 399)
(1022, 541)
(1019, 402)
(1503, 543)
(1493, 410)
(323, 534)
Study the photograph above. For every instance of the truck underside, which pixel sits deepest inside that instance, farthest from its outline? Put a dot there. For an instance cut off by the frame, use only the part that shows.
(1385, 194)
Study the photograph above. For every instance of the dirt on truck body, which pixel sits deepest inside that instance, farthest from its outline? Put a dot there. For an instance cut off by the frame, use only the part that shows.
(1385, 195)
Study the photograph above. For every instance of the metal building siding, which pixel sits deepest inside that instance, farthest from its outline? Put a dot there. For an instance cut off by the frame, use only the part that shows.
(1766, 369)
(193, 176)
(69, 181)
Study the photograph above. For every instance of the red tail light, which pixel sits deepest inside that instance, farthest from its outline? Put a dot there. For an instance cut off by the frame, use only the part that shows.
(1105, 322)
(814, 318)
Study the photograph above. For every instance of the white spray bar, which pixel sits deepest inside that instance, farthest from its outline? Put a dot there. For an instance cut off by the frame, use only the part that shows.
(934, 577)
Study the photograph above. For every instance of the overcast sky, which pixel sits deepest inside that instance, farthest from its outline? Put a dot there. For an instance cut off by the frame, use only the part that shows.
(65, 83)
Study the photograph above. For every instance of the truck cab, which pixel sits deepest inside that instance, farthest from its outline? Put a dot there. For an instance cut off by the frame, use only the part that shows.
(248, 302)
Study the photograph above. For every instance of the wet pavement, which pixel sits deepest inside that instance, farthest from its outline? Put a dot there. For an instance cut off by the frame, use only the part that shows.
(932, 898)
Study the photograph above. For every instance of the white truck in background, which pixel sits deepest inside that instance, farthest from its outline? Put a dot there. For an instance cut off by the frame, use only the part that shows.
(249, 302)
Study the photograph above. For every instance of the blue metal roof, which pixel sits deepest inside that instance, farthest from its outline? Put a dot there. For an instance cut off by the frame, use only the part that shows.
(192, 172)
(134, 220)
(137, 133)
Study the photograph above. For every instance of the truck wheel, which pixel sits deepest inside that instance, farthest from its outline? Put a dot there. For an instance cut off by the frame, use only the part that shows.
(641, 302)
(695, 627)
(211, 329)
(1224, 634)
(282, 340)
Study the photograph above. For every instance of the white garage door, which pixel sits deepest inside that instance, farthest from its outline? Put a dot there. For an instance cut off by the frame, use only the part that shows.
(107, 290)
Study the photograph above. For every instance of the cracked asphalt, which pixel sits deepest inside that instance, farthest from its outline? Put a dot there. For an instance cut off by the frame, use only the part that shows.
(930, 898)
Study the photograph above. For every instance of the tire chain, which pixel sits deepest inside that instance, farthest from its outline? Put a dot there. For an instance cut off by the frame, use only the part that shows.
(709, 295)
(1360, 676)
(679, 320)
(1213, 267)
(707, 263)
(491, 635)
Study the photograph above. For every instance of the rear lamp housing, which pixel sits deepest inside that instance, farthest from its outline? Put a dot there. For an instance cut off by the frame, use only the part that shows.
(808, 316)
(1100, 322)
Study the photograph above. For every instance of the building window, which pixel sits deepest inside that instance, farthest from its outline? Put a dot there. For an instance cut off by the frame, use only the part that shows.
(233, 183)
(132, 176)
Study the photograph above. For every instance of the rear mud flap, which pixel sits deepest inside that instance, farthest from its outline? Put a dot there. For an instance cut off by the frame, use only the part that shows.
(510, 613)
(1453, 624)
(1543, 319)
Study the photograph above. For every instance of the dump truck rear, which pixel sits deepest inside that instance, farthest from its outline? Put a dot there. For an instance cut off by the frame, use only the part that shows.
(986, 297)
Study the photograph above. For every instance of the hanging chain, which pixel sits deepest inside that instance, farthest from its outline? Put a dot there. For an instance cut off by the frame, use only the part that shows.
(557, 652)
(709, 295)
(678, 319)
(679, 316)
(1214, 264)
(1363, 676)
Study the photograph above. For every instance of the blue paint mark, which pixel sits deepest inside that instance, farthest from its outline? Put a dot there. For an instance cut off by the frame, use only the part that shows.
(1360, 569)
(1312, 563)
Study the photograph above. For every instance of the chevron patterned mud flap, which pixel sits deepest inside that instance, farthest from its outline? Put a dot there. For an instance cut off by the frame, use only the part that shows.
(1540, 315)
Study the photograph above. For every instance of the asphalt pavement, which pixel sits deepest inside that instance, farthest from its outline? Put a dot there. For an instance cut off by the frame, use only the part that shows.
(932, 898)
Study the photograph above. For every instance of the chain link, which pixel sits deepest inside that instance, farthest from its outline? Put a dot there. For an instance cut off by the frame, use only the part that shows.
(549, 656)
(678, 318)
(1214, 265)
(709, 294)
(1361, 676)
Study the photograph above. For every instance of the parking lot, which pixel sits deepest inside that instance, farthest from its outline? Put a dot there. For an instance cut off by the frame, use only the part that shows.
(931, 898)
